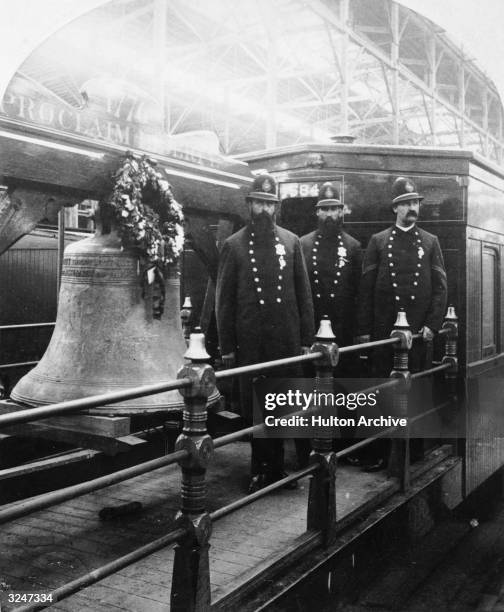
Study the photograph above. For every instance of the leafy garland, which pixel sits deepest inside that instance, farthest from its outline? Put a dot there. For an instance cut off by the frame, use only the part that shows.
(149, 219)
(139, 189)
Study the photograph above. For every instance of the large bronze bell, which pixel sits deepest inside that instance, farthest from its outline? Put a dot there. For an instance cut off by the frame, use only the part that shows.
(106, 338)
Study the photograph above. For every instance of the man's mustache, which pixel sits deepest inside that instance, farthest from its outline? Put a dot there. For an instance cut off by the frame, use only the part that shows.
(262, 215)
(412, 213)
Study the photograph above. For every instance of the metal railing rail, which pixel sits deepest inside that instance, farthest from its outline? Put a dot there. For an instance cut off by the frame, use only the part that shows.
(252, 497)
(17, 364)
(22, 364)
(45, 500)
(384, 433)
(26, 325)
(43, 412)
(173, 536)
(222, 374)
(106, 570)
(196, 381)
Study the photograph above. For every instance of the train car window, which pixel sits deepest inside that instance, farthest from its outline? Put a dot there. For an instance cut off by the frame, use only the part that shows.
(85, 214)
(367, 199)
(490, 299)
(297, 203)
(298, 215)
(485, 196)
(367, 196)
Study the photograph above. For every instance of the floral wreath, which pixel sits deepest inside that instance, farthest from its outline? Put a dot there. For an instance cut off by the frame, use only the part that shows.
(149, 219)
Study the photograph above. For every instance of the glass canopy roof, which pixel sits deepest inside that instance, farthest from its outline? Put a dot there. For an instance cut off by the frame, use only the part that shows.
(235, 77)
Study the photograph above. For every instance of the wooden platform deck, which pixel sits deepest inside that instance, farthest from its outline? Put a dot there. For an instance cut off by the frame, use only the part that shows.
(49, 548)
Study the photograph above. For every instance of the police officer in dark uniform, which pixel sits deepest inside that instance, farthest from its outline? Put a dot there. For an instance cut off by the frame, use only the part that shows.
(403, 269)
(334, 263)
(264, 308)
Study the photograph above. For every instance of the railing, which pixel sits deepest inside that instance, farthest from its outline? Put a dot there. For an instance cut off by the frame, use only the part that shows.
(194, 447)
(20, 364)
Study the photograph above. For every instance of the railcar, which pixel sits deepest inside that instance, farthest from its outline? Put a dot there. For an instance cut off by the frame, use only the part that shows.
(463, 194)
(464, 207)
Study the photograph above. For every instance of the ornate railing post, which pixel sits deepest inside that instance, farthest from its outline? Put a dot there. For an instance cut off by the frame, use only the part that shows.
(450, 356)
(322, 496)
(185, 317)
(3, 393)
(191, 574)
(399, 465)
(2, 388)
(449, 414)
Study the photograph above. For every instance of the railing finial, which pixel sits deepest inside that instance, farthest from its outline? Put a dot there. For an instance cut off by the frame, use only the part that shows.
(451, 315)
(401, 320)
(196, 350)
(186, 316)
(325, 330)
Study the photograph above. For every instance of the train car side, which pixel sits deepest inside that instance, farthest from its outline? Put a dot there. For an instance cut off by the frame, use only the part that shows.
(463, 203)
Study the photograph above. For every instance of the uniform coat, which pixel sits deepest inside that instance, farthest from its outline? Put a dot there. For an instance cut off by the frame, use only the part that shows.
(378, 305)
(257, 331)
(341, 309)
(279, 327)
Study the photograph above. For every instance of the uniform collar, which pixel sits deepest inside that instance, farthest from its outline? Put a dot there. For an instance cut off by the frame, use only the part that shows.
(404, 229)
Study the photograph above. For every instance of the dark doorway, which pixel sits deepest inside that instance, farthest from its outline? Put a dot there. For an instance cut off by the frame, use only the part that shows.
(298, 215)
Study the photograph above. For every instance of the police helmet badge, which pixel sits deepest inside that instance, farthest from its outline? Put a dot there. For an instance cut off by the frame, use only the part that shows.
(328, 196)
(267, 187)
(263, 189)
(403, 190)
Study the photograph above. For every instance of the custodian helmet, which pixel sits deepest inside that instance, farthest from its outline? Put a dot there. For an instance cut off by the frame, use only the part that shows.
(404, 189)
(329, 195)
(263, 188)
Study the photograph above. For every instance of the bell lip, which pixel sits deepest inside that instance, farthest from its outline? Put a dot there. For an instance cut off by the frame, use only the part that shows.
(174, 403)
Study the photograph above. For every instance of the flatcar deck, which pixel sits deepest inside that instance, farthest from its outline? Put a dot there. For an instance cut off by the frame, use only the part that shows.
(52, 547)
